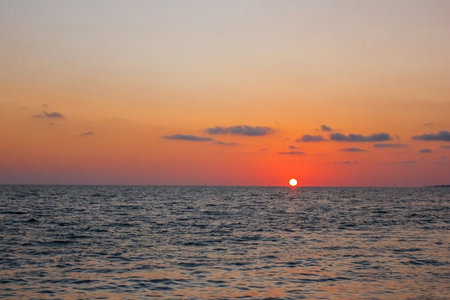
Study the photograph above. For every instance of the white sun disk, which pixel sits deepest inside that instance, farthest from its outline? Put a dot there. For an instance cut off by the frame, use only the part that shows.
(293, 182)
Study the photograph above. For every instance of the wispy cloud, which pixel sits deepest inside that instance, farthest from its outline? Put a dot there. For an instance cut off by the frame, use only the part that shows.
(194, 138)
(441, 160)
(244, 130)
(440, 136)
(376, 137)
(352, 149)
(309, 138)
(390, 145)
(292, 153)
(445, 147)
(226, 143)
(425, 150)
(50, 115)
(406, 162)
(188, 137)
(292, 147)
(87, 133)
(325, 128)
(428, 124)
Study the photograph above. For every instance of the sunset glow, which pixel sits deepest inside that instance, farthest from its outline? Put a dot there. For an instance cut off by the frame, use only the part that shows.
(352, 93)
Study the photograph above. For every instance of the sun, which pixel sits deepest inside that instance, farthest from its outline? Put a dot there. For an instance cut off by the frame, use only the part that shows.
(293, 182)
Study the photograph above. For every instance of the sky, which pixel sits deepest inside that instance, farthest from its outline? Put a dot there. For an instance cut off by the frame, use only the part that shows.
(333, 93)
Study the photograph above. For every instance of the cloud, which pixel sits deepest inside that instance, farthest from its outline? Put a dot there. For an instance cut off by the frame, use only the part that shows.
(376, 137)
(187, 137)
(347, 162)
(428, 124)
(352, 149)
(87, 133)
(325, 128)
(226, 143)
(309, 138)
(292, 147)
(292, 153)
(425, 150)
(390, 145)
(445, 147)
(440, 136)
(241, 130)
(51, 115)
(193, 138)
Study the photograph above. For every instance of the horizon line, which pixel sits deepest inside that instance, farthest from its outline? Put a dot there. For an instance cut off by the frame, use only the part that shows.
(222, 185)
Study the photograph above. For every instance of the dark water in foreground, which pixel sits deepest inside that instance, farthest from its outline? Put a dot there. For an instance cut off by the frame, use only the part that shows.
(104, 242)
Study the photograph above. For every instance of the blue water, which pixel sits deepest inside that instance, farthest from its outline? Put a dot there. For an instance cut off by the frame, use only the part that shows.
(124, 242)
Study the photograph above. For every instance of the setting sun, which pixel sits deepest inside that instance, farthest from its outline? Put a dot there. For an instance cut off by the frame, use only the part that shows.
(293, 182)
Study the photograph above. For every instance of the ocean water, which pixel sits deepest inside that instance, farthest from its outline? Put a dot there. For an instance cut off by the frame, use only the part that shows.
(145, 242)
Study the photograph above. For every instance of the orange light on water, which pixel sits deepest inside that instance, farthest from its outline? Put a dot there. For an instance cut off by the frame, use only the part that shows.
(293, 182)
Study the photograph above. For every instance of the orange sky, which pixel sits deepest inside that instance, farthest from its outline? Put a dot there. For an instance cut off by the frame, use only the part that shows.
(114, 92)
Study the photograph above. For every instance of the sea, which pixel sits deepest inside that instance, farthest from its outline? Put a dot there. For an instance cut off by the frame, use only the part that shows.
(169, 242)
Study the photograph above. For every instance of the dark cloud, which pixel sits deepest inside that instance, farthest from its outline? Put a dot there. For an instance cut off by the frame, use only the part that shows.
(390, 145)
(87, 133)
(352, 149)
(440, 136)
(241, 130)
(325, 128)
(226, 143)
(193, 138)
(428, 124)
(425, 150)
(309, 138)
(187, 137)
(292, 153)
(376, 137)
(292, 147)
(445, 147)
(50, 115)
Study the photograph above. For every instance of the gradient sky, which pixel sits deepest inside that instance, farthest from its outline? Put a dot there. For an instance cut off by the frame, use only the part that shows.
(334, 93)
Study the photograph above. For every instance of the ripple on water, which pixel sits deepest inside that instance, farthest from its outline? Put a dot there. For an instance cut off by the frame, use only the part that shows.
(103, 242)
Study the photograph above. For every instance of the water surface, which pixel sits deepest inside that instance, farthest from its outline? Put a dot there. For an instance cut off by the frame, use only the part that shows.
(123, 242)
